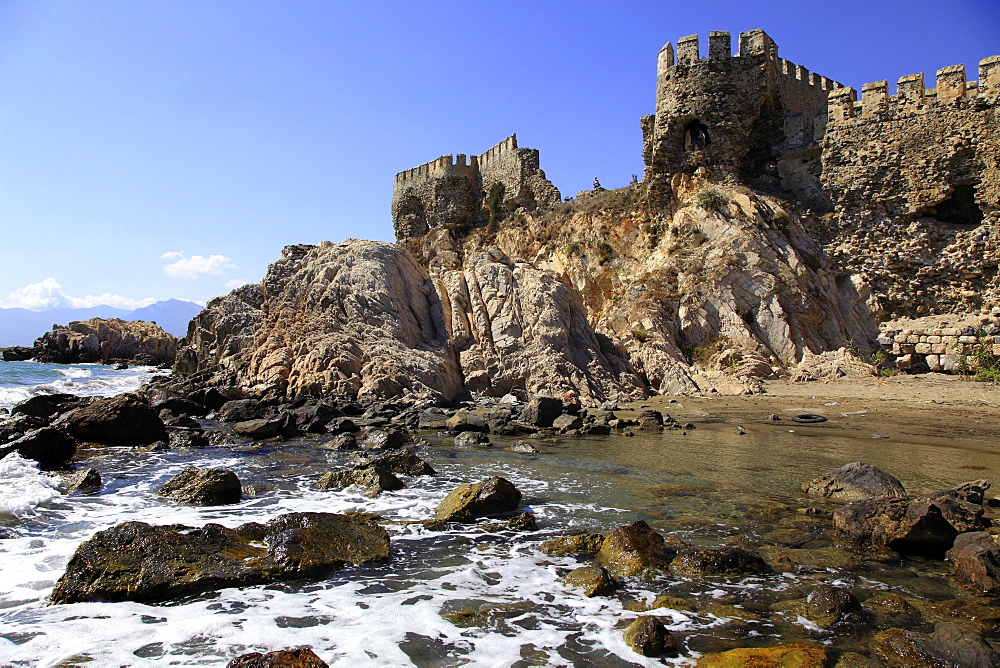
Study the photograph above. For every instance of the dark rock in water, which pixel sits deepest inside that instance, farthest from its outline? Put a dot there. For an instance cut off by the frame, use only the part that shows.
(466, 421)
(188, 438)
(241, 410)
(259, 429)
(567, 422)
(46, 405)
(18, 354)
(345, 441)
(285, 658)
(341, 425)
(18, 425)
(523, 522)
(373, 481)
(489, 497)
(649, 637)
(856, 481)
(632, 548)
(183, 422)
(203, 487)
(389, 438)
(84, 481)
(542, 411)
(975, 562)
(311, 416)
(48, 446)
(404, 462)
(580, 545)
(824, 606)
(716, 561)
(948, 645)
(179, 406)
(592, 580)
(121, 420)
(135, 561)
(472, 439)
(524, 447)
(209, 397)
(650, 420)
(926, 525)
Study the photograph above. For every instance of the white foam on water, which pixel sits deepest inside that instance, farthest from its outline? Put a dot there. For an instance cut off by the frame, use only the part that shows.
(24, 487)
(22, 380)
(76, 372)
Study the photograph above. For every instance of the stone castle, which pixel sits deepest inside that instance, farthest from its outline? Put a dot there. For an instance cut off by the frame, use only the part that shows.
(771, 124)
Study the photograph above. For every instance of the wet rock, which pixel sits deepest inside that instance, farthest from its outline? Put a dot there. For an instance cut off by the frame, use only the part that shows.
(188, 438)
(374, 482)
(310, 416)
(82, 481)
(855, 481)
(466, 421)
(260, 428)
(52, 448)
(783, 656)
(718, 561)
(432, 419)
(649, 637)
(203, 487)
(591, 580)
(524, 447)
(523, 522)
(925, 526)
(793, 560)
(856, 660)
(179, 422)
(824, 606)
(345, 441)
(302, 657)
(135, 561)
(46, 405)
(492, 617)
(242, 410)
(472, 439)
(541, 411)
(981, 617)
(948, 645)
(341, 425)
(580, 545)
(567, 422)
(404, 462)
(384, 439)
(632, 548)
(178, 405)
(975, 562)
(489, 497)
(650, 420)
(121, 420)
(661, 601)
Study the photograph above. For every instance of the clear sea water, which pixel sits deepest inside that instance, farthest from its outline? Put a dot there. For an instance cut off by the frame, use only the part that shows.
(707, 487)
(22, 380)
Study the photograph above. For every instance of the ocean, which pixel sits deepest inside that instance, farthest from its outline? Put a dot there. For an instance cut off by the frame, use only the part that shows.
(23, 380)
(465, 594)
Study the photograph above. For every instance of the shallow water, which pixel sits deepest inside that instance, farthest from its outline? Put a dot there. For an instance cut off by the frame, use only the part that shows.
(708, 486)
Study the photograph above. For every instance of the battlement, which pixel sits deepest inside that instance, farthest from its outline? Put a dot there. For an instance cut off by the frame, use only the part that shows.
(455, 165)
(912, 96)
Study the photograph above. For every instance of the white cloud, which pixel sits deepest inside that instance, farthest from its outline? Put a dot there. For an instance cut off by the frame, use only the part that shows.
(235, 283)
(170, 255)
(199, 265)
(49, 295)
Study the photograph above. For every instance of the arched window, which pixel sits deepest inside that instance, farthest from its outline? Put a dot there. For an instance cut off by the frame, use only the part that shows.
(696, 136)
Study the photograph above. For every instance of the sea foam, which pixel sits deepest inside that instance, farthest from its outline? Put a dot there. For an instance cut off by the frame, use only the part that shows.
(24, 486)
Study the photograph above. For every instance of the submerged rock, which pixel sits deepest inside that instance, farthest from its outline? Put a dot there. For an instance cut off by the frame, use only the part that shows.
(784, 656)
(591, 580)
(489, 497)
(370, 479)
(135, 561)
(203, 487)
(948, 645)
(718, 561)
(632, 548)
(302, 657)
(824, 606)
(121, 420)
(648, 636)
(855, 481)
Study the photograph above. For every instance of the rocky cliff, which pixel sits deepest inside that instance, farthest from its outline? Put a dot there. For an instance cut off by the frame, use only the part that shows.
(99, 340)
(607, 298)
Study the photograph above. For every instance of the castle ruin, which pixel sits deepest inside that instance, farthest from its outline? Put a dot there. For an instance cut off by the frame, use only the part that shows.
(451, 191)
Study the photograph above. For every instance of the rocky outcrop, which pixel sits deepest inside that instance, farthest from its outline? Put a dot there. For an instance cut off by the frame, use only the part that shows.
(134, 561)
(98, 340)
(122, 420)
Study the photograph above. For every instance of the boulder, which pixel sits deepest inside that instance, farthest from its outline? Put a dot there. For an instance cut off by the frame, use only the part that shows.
(632, 548)
(302, 657)
(489, 497)
(949, 645)
(341, 425)
(241, 410)
(591, 580)
(121, 420)
(718, 561)
(650, 420)
(260, 428)
(567, 422)
(404, 462)
(542, 411)
(135, 561)
(345, 441)
(855, 481)
(310, 416)
(925, 526)
(649, 637)
(52, 448)
(466, 421)
(432, 419)
(975, 562)
(373, 481)
(384, 439)
(472, 439)
(203, 487)
(783, 656)
(46, 405)
(188, 438)
(83, 481)
(524, 447)
(579, 545)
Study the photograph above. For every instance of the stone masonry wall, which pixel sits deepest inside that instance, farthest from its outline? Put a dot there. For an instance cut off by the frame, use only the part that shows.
(950, 349)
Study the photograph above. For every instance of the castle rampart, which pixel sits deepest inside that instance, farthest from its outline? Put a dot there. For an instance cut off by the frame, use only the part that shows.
(452, 189)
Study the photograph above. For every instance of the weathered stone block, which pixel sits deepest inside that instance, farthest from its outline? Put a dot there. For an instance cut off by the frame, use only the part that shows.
(933, 362)
(922, 348)
(933, 338)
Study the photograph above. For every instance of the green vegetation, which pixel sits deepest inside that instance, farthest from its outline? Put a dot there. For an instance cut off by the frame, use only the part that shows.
(604, 252)
(494, 202)
(572, 249)
(712, 200)
(640, 335)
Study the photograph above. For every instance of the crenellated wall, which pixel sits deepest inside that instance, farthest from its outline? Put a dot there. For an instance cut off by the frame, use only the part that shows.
(452, 190)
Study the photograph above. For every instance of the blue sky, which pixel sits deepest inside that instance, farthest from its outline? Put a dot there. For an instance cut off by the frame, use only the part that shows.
(161, 149)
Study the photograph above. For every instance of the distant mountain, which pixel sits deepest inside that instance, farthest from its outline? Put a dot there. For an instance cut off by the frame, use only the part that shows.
(20, 327)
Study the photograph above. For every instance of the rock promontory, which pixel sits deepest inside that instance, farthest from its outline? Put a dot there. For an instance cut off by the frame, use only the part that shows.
(99, 340)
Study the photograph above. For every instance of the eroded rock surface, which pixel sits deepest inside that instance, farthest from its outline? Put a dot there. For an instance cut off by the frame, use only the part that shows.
(97, 340)
(855, 481)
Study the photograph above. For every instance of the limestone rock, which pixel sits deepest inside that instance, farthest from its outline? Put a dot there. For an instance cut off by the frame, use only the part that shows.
(121, 420)
(284, 658)
(203, 487)
(489, 497)
(632, 548)
(647, 636)
(135, 561)
(97, 340)
(591, 580)
(855, 481)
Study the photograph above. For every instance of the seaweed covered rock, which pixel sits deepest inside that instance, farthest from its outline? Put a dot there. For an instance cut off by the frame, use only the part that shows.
(490, 497)
(632, 548)
(591, 581)
(648, 636)
(718, 561)
(135, 561)
(783, 656)
(203, 487)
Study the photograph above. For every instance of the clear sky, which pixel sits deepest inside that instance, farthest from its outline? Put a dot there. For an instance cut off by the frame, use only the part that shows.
(155, 149)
